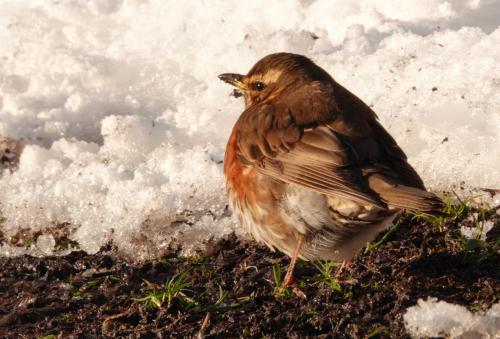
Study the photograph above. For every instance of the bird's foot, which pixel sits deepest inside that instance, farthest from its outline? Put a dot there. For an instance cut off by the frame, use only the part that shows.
(341, 271)
(342, 268)
(288, 286)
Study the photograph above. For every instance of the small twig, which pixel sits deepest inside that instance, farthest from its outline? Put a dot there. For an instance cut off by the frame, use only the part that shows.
(116, 316)
(107, 320)
(298, 292)
(254, 267)
(151, 285)
(204, 325)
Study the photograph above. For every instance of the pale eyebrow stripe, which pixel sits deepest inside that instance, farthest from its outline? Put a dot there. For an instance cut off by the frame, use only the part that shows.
(269, 77)
(272, 76)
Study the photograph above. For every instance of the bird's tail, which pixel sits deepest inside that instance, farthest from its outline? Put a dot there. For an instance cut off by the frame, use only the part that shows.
(405, 197)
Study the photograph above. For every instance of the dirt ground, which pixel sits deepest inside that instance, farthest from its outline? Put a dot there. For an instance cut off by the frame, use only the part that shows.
(231, 291)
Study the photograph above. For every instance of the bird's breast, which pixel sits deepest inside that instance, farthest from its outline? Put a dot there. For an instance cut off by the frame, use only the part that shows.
(255, 199)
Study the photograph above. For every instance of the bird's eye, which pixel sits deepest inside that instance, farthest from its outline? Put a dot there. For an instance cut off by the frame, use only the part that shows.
(259, 86)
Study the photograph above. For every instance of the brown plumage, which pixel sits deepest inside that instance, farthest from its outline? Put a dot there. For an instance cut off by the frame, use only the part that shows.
(310, 170)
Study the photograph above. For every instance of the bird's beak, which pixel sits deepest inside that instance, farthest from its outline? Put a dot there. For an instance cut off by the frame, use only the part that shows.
(234, 79)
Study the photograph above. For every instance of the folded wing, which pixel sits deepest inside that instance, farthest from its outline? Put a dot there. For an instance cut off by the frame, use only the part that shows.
(326, 139)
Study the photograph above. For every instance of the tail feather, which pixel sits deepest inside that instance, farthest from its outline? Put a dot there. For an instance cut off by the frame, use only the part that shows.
(405, 197)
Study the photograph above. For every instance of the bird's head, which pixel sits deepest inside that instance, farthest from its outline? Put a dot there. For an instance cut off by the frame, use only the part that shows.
(274, 74)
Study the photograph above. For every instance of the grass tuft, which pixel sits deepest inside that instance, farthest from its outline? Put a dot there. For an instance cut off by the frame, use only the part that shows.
(327, 269)
(279, 290)
(173, 290)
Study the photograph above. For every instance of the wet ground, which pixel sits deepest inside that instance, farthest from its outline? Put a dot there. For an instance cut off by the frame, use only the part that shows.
(232, 290)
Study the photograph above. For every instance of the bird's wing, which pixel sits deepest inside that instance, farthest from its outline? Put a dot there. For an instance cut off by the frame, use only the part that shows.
(289, 139)
(326, 139)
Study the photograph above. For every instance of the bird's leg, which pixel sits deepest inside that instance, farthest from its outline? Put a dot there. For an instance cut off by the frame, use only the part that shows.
(289, 274)
(342, 267)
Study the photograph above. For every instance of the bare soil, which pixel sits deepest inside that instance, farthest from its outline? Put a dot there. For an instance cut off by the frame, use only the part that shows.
(230, 290)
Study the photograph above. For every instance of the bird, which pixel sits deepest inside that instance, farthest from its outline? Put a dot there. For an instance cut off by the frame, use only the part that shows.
(309, 169)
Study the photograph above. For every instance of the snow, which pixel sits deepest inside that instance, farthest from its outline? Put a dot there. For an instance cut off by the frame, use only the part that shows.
(432, 318)
(124, 122)
(46, 243)
(479, 230)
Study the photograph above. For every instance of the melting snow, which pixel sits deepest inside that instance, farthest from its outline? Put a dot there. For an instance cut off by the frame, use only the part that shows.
(479, 231)
(434, 318)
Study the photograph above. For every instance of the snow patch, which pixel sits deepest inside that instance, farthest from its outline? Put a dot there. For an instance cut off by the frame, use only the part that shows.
(479, 231)
(432, 318)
